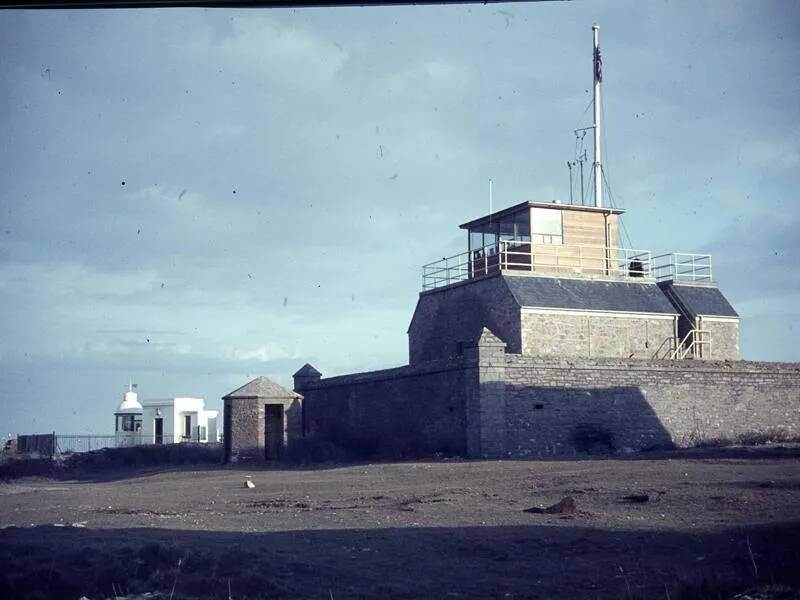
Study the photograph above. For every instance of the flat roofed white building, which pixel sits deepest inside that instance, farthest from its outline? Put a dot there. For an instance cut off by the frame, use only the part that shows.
(175, 420)
(164, 421)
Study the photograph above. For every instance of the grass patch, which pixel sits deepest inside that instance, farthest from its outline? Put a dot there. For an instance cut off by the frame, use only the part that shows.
(108, 459)
(773, 435)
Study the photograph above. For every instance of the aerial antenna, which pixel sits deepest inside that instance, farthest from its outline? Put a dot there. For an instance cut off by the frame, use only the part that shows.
(569, 166)
(598, 77)
(580, 156)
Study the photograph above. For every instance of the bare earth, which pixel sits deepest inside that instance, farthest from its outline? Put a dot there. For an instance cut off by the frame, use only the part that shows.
(440, 529)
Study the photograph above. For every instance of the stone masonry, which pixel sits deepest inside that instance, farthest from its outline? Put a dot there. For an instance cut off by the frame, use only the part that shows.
(724, 336)
(563, 333)
(491, 403)
(245, 435)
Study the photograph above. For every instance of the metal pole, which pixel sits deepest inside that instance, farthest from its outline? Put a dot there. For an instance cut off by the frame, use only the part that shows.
(569, 166)
(598, 77)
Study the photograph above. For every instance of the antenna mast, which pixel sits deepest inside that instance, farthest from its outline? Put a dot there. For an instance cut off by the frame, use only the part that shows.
(598, 77)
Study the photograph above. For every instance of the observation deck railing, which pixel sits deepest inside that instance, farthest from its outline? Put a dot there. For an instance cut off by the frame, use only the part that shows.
(680, 266)
(565, 260)
(548, 259)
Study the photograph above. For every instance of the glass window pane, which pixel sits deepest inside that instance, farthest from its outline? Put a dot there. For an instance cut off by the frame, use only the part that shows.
(546, 221)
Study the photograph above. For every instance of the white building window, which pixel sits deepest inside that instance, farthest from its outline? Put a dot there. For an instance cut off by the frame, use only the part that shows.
(547, 226)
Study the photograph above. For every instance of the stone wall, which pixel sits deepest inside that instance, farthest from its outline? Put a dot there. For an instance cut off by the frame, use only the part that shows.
(245, 426)
(490, 403)
(446, 320)
(244, 429)
(552, 406)
(407, 411)
(580, 333)
(724, 336)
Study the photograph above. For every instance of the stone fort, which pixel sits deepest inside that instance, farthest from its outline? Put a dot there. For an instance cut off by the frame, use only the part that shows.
(544, 337)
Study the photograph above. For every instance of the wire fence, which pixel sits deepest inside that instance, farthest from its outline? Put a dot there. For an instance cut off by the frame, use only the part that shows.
(83, 443)
(52, 444)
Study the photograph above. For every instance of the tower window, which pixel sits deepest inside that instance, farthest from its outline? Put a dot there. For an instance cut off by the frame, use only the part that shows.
(547, 226)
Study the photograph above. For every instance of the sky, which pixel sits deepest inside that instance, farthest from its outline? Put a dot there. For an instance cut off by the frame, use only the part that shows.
(191, 198)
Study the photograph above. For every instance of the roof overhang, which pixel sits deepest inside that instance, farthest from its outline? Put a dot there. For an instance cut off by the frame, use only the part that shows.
(522, 206)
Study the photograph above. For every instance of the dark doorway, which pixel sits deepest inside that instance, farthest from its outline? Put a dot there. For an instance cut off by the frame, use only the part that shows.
(273, 431)
(187, 427)
(159, 430)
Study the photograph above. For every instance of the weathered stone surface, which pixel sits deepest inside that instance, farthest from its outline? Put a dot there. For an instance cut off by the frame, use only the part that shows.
(493, 403)
(622, 336)
(644, 404)
(244, 429)
(724, 336)
(447, 320)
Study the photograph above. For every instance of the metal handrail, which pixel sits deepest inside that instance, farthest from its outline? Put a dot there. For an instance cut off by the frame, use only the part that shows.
(670, 343)
(697, 343)
(523, 255)
(681, 266)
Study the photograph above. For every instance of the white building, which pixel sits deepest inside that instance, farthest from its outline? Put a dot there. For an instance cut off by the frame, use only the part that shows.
(128, 419)
(164, 421)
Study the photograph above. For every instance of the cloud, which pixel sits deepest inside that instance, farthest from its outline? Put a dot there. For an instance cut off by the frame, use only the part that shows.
(264, 353)
(287, 172)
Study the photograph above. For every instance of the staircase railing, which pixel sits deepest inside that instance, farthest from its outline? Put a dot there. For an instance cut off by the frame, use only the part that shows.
(695, 346)
(666, 348)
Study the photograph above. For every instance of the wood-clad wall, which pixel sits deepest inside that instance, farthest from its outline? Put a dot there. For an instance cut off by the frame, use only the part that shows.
(587, 228)
(583, 250)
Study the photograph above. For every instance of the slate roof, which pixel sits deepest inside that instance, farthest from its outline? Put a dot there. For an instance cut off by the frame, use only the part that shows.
(307, 371)
(701, 299)
(588, 294)
(261, 387)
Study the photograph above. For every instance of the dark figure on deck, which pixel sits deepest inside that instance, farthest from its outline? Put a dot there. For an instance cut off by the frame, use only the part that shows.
(636, 268)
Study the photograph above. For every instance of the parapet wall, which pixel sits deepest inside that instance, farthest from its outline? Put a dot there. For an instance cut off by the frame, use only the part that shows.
(407, 411)
(555, 406)
(490, 403)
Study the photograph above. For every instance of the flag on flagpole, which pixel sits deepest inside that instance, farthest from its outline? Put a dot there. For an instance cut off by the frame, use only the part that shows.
(598, 64)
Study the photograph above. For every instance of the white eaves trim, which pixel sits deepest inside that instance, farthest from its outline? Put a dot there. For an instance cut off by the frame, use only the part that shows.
(572, 312)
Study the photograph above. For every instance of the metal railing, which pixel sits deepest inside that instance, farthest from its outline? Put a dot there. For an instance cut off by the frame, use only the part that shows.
(697, 347)
(553, 259)
(666, 349)
(82, 442)
(679, 266)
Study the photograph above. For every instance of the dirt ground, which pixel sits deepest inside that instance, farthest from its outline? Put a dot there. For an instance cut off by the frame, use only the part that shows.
(712, 523)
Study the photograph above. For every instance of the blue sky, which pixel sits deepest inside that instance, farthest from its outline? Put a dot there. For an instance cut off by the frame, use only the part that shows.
(192, 198)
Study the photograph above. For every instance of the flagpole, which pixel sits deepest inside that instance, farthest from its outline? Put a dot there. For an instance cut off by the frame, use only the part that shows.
(598, 77)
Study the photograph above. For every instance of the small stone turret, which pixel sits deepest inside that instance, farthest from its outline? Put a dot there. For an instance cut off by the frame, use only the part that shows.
(307, 375)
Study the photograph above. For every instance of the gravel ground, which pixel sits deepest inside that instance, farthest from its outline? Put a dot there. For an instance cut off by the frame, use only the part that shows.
(439, 529)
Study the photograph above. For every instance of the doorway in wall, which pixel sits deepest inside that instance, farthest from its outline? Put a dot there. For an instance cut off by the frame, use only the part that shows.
(159, 428)
(273, 431)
